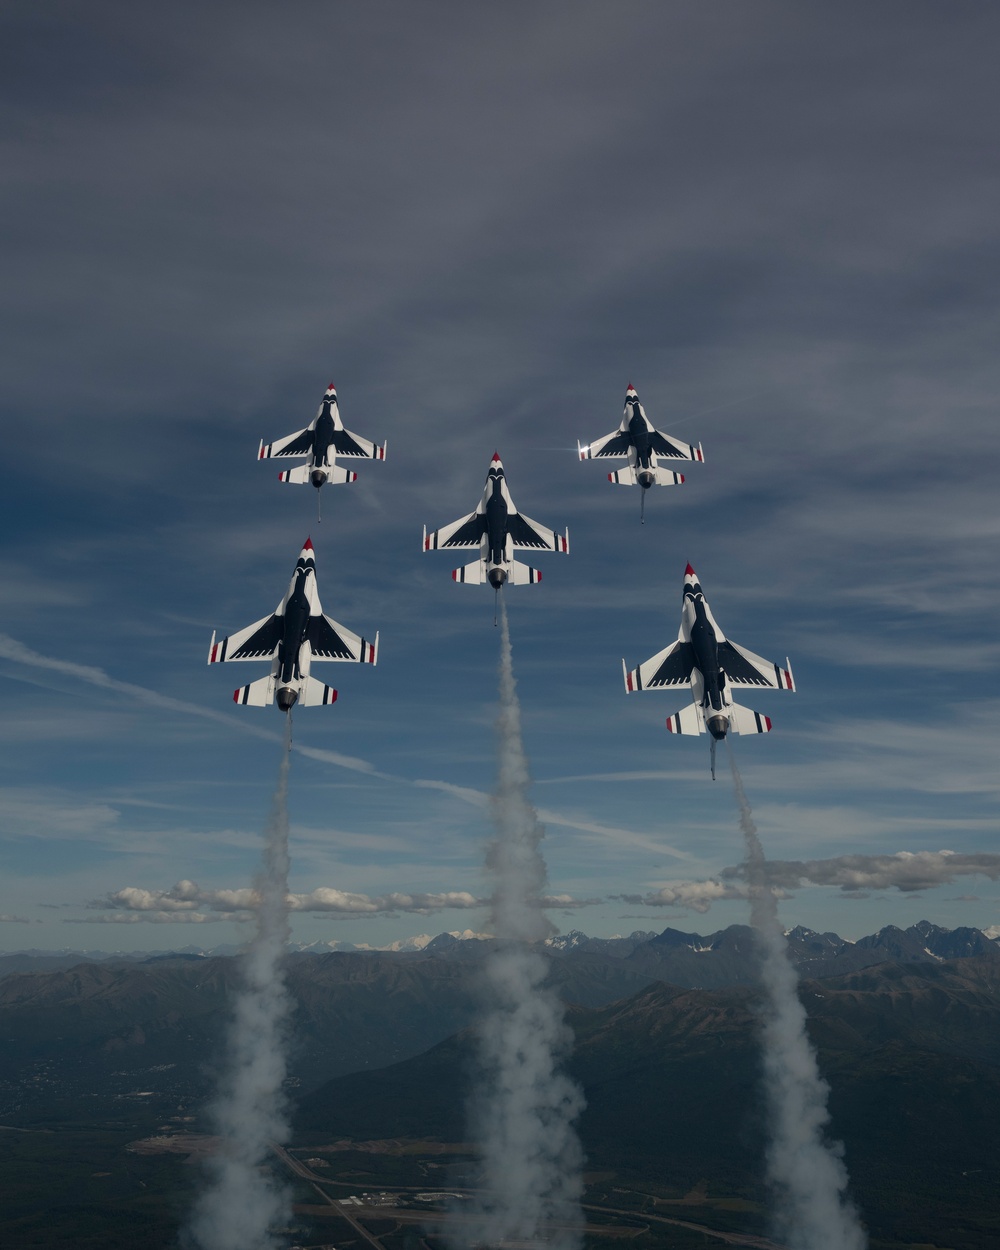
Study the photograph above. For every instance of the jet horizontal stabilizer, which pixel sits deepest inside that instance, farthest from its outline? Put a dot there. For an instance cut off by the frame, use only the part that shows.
(659, 476)
(743, 720)
(302, 476)
(259, 693)
(316, 694)
(473, 574)
(689, 720)
(523, 574)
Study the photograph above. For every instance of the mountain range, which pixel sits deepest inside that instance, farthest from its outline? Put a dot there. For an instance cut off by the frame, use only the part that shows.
(164, 1015)
(906, 1024)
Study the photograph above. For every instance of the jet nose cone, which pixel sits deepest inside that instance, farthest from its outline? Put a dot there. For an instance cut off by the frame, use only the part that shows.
(286, 697)
(717, 726)
(496, 578)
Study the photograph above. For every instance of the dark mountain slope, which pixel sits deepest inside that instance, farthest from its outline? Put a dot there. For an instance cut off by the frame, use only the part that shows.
(671, 1077)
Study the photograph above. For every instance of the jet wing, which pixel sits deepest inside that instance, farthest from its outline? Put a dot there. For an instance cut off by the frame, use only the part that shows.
(744, 670)
(528, 534)
(465, 532)
(664, 445)
(670, 667)
(616, 443)
(256, 642)
(347, 444)
(330, 641)
(298, 444)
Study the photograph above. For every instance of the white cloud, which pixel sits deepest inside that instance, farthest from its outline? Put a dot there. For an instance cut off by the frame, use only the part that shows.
(186, 898)
(150, 917)
(696, 895)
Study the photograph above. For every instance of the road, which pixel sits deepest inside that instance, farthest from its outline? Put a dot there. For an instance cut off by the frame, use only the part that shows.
(409, 1215)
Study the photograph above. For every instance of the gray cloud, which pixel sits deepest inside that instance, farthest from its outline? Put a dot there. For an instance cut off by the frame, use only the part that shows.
(855, 875)
(906, 871)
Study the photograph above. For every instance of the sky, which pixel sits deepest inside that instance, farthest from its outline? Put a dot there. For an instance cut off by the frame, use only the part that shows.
(779, 222)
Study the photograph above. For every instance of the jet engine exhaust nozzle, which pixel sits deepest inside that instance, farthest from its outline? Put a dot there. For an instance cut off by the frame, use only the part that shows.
(496, 578)
(717, 726)
(317, 477)
(285, 698)
(645, 479)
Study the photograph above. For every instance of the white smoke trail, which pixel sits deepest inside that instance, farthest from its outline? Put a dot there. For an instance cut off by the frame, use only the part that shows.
(523, 1122)
(241, 1205)
(806, 1170)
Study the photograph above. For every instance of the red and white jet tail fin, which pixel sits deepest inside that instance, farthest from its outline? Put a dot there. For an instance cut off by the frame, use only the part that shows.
(689, 720)
(316, 694)
(523, 574)
(743, 720)
(259, 693)
(622, 477)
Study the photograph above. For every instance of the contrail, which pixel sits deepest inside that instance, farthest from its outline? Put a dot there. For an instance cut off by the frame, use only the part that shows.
(523, 1118)
(805, 1169)
(18, 653)
(242, 1205)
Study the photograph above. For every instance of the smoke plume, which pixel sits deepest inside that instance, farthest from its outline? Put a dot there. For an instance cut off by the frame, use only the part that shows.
(241, 1205)
(806, 1170)
(523, 1120)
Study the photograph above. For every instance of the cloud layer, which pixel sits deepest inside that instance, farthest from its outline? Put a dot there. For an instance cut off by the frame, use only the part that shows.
(855, 875)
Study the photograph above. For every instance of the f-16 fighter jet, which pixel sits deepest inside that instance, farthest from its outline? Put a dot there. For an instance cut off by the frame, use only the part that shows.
(497, 529)
(703, 658)
(292, 638)
(322, 441)
(645, 447)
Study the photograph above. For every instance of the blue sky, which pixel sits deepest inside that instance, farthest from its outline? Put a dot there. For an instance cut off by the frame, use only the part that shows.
(780, 222)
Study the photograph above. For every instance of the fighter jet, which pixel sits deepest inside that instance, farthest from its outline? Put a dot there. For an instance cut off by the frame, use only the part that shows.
(714, 667)
(322, 441)
(291, 638)
(644, 446)
(497, 529)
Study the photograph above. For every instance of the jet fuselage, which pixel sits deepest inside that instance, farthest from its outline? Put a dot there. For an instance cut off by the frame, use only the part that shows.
(638, 432)
(322, 441)
(496, 530)
(296, 625)
(705, 645)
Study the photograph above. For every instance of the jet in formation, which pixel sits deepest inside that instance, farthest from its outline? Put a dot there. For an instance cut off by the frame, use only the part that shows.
(704, 659)
(497, 530)
(292, 637)
(644, 446)
(322, 441)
